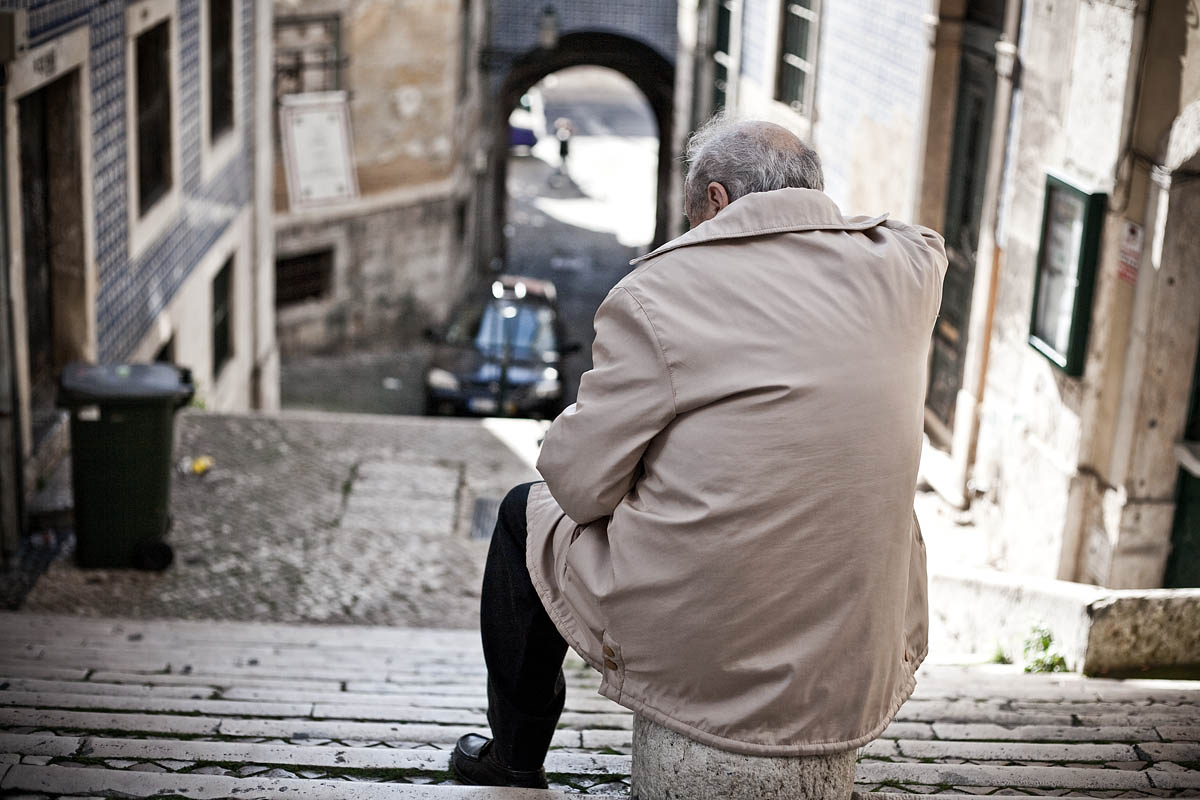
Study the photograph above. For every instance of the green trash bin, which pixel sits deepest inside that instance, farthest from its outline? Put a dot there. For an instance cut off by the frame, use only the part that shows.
(122, 432)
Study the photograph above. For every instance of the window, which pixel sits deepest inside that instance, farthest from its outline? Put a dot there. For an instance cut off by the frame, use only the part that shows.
(154, 157)
(797, 55)
(152, 120)
(303, 277)
(220, 68)
(722, 61)
(222, 318)
(166, 353)
(308, 55)
(465, 22)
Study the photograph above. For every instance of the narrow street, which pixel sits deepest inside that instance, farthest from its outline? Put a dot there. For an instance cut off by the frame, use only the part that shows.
(578, 230)
(581, 231)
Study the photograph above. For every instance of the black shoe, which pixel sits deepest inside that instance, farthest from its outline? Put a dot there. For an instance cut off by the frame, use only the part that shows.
(474, 763)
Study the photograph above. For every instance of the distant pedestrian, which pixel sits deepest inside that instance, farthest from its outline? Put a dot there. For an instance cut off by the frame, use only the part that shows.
(563, 131)
(726, 527)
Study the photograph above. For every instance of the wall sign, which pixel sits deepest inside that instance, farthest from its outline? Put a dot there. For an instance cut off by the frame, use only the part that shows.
(1132, 239)
(318, 158)
(1072, 219)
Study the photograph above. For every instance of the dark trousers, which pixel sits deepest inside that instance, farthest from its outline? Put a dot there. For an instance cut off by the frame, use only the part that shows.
(523, 650)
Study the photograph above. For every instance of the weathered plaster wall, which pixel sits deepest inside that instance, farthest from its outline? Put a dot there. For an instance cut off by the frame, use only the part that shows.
(399, 257)
(401, 73)
(1038, 426)
(392, 276)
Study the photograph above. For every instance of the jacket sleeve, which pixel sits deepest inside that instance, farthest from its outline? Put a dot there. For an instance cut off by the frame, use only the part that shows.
(930, 256)
(591, 453)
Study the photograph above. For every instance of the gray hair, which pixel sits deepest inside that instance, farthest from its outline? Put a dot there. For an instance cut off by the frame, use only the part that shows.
(746, 156)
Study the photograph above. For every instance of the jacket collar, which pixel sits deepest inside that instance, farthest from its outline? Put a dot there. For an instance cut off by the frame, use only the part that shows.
(761, 213)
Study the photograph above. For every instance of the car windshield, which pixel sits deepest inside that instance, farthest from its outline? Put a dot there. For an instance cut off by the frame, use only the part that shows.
(527, 328)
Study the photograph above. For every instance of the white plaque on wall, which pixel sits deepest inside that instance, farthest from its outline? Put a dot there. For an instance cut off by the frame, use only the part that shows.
(318, 156)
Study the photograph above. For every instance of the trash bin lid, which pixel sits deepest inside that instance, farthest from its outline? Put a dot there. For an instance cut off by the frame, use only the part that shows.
(97, 383)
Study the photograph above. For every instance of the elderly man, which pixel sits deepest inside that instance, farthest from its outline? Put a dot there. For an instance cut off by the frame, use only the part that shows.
(725, 530)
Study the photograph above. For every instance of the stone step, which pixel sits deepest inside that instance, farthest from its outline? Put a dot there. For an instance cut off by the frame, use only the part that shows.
(340, 759)
(114, 783)
(382, 761)
(212, 690)
(320, 711)
(1045, 733)
(119, 783)
(1056, 777)
(298, 729)
(282, 711)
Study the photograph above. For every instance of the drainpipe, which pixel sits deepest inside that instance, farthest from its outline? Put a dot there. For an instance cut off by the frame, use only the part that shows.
(11, 492)
(987, 262)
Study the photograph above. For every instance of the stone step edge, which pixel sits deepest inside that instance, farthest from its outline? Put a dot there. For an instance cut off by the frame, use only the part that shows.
(98, 750)
(115, 783)
(73, 781)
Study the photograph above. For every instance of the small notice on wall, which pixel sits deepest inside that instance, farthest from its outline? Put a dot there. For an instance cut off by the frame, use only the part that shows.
(1132, 238)
(318, 158)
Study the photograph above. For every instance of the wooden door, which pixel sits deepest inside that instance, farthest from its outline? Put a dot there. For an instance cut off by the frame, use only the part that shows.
(968, 173)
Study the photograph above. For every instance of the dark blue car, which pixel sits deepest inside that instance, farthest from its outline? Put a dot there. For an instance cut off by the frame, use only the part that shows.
(501, 353)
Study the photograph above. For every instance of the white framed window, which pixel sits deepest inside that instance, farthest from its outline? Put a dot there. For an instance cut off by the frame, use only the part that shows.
(220, 80)
(725, 52)
(795, 70)
(152, 114)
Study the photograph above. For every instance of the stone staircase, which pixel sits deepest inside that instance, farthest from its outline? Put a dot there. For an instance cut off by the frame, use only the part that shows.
(111, 708)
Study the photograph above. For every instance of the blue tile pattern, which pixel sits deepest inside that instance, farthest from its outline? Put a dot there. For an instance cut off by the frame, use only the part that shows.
(652, 22)
(131, 294)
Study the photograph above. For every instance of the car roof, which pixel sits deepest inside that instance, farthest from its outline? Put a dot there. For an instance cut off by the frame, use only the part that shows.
(534, 287)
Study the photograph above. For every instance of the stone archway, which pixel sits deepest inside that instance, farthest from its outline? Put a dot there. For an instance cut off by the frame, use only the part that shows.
(653, 75)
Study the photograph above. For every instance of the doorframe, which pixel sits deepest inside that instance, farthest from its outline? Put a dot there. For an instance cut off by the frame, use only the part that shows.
(33, 70)
(948, 470)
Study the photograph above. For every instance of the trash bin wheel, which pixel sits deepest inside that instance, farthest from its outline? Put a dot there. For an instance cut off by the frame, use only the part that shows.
(154, 556)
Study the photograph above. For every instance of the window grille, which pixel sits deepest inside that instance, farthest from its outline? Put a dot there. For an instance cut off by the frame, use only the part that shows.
(797, 54)
(308, 54)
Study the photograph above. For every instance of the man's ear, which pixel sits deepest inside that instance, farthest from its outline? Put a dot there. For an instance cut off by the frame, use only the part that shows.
(717, 198)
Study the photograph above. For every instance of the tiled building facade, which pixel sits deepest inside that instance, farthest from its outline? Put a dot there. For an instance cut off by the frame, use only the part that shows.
(156, 254)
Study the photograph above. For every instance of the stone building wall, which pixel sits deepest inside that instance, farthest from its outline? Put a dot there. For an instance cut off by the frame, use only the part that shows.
(393, 275)
(1072, 490)
(399, 257)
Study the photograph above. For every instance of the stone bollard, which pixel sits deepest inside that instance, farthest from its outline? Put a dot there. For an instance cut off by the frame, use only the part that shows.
(668, 766)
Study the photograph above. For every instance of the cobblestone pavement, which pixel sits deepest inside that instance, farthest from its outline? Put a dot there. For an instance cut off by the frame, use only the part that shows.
(92, 707)
(315, 517)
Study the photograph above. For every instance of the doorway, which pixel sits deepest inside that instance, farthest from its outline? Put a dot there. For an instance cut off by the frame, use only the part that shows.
(1183, 565)
(52, 240)
(964, 210)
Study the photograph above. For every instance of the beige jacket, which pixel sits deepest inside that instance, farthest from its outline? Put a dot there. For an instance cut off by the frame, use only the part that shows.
(738, 554)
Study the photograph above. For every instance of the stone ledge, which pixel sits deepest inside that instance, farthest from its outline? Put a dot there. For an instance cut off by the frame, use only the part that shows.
(1135, 630)
(1099, 631)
